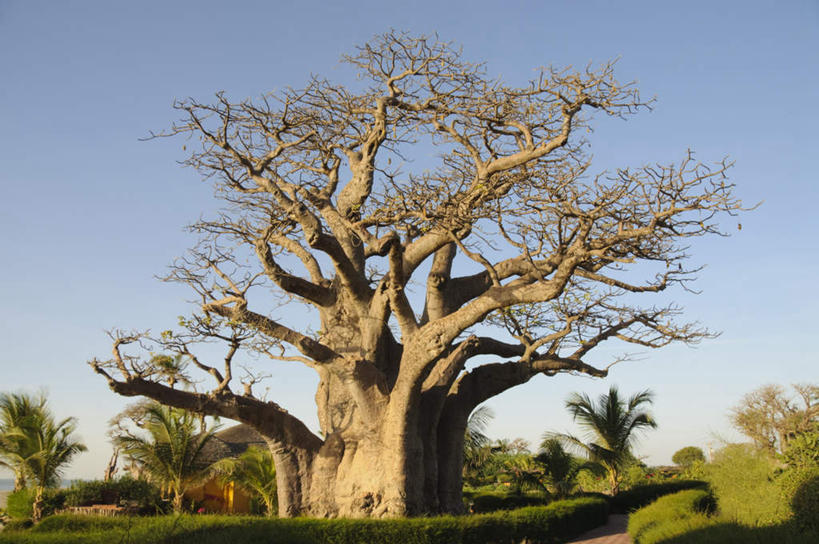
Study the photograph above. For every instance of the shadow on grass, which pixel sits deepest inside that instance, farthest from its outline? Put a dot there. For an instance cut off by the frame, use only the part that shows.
(734, 533)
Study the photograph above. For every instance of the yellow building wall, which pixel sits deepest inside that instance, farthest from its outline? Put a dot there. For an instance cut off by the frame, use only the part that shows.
(214, 497)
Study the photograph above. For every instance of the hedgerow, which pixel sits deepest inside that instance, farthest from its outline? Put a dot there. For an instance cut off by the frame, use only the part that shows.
(637, 497)
(682, 511)
(554, 523)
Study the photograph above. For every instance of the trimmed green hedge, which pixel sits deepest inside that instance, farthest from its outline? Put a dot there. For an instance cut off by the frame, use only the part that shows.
(671, 515)
(724, 532)
(481, 503)
(554, 523)
(637, 497)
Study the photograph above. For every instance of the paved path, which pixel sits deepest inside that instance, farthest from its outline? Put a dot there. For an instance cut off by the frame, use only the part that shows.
(613, 532)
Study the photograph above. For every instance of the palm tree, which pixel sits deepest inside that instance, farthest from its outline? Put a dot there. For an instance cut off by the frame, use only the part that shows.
(171, 454)
(254, 472)
(559, 467)
(520, 472)
(611, 426)
(54, 447)
(476, 443)
(16, 414)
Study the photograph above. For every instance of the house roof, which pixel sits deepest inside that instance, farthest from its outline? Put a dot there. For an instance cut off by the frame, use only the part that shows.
(232, 442)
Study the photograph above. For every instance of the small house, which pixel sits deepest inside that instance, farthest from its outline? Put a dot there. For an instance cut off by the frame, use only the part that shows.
(213, 496)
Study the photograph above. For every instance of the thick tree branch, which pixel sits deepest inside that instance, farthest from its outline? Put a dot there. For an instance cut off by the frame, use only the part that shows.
(268, 417)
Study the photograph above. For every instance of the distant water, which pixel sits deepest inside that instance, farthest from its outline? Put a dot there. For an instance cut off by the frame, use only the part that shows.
(7, 484)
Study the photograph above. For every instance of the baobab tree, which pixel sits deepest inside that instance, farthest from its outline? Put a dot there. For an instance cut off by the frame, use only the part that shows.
(429, 170)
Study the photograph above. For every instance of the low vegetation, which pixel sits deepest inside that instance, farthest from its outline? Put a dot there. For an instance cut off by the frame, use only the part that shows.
(553, 523)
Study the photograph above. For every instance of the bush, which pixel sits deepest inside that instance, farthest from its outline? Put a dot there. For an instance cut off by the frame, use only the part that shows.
(144, 495)
(17, 525)
(637, 497)
(743, 479)
(702, 530)
(671, 515)
(19, 503)
(801, 490)
(556, 522)
(481, 503)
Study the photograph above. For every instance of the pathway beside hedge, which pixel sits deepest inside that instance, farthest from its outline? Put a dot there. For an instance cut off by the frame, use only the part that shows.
(613, 532)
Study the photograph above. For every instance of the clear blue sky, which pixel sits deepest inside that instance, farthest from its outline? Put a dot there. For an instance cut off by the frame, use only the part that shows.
(89, 214)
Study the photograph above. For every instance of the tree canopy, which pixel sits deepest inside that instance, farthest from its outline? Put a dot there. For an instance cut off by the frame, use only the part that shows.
(771, 417)
(687, 456)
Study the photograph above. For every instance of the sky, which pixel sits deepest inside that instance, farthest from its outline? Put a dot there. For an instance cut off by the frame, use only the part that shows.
(90, 213)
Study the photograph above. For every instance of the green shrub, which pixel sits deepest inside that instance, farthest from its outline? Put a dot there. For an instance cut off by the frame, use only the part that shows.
(145, 496)
(671, 515)
(17, 525)
(639, 496)
(804, 500)
(716, 531)
(556, 522)
(802, 451)
(743, 480)
(481, 503)
(18, 504)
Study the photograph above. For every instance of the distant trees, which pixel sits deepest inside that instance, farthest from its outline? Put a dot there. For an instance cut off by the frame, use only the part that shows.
(611, 424)
(169, 451)
(687, 456)
(771, 417)
(35, 445)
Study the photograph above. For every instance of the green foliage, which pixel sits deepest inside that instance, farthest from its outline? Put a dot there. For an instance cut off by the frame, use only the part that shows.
(670, 516)
(34, 445)
(611, 424)
(800, 488)
(19, 504)
(480, 503)
(17, 525)
(635, 474)
(171, 453)
(742, 477)
(695, 471)
(637, 497)
(685, 519)
(560, 468)
(554, 523)
(702, 530)
(142, 494)
(520, 473)
(18, 413)
(254, 472)
(687, 456)
(802, 451)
